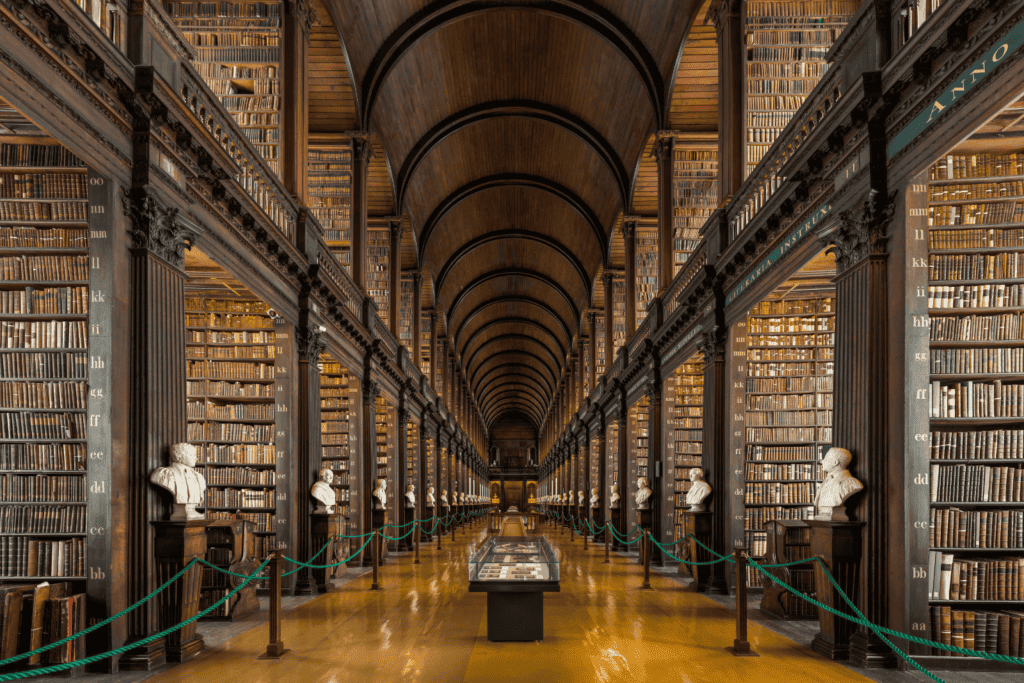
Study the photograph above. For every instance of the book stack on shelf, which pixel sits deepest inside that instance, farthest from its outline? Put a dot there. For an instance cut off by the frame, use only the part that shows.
(788, 411)
(618, 318)
(430, 476)
(238, 54)
(694, 196)
(44, 361)
(384, 425)
(111, 17)
(600, 354)
(976, 247)
(786, 46)
(231, 409)
(336, 433)
(405, 315)
(595, 475)
(329, 196)
(378, 247)
(412, 458)
(646, 269)
(612, 450)
(684, 409)
(425, 347)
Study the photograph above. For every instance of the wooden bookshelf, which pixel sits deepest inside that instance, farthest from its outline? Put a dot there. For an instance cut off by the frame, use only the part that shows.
(694, 195)
(618, 318)
(337, 428)
(786, 46)
(412, 471)
(684, 430)
(405, 315)
(386, 464)
(238, 54)
(329, 196)
(600, 354)
(788, 411)
(425, 347)
(378, 262)
(646, 269)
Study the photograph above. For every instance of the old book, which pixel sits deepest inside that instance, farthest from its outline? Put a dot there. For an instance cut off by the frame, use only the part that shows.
(33, 611)
(11, 598)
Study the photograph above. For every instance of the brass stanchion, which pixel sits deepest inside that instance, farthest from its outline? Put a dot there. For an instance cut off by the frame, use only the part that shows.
(572, 531)
(607, 547)
(275, 648)
(375, 553)
(416, 541)
(741, 648)
(585, 530)
(453, 529)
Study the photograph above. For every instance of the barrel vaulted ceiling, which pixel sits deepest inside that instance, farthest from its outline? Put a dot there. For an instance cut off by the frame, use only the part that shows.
(514, 135)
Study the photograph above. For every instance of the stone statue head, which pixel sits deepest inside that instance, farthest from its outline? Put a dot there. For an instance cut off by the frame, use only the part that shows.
(326, 475)
(593, 491)
(382, 484)
(184, 453)
(641, 482)
(696, 474)
(410, 487)
(430, 490)
(615, 488)
(836, 459)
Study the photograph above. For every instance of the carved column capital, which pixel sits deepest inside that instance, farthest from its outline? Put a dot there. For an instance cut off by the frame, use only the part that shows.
(862, 232)
(362, 148)
(158, 229)
(371, 390)
(310, 344)
(629, 224)
(664, 146)
(712, 345)
(720, 10)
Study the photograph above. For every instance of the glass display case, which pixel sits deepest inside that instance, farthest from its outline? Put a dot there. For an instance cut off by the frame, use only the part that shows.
(515, 559)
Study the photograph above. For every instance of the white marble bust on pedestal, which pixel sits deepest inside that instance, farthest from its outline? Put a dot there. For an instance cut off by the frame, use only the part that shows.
(430, 497)
(410, 496)
(324, 494)
(186, 484)
(594, 498)
(444, 498)
(614, 500)
(579, 499)
(837, 487)
(381, 494)
(643, 493)
(698, 491)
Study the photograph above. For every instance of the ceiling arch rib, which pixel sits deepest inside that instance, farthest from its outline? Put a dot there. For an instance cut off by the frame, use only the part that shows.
(508, 299)
(519, 403)
(518, 338)
(510, 356)
(594, 18)
(516, 272)
(511, 377)
(513, 388)
(500, 235)
(512, 321)
(521, 371)
(513, 396)
(514, 180)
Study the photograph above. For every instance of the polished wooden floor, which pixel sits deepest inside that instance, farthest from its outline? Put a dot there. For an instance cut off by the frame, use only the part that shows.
(425, 626)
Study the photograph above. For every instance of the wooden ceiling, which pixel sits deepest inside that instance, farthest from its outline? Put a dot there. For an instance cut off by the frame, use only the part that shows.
(512, 135)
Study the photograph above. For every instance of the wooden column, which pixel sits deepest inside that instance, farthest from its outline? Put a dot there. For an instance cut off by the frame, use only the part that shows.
(308, 454)
(362, 152)
(664, 151)
(861, 245)
(367, 483)
(728, 20)
(402, 453)
(156, 400)
(654, 458)
(609, 321)
(395, 275)
(593, 351)
(623, 447)
(629, 240)
(417, 320)
(435, 381)
(295, 96)
(582, 380)
(603, 488)
(715, 453)
(444, 373)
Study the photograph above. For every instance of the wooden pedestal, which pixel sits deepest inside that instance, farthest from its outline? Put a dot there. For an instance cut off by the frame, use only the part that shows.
(380, 518)
(425, 536)
(645, 524)
(596, 520)
(324, 528)
(176, 544)
(698, 524)
(407, 542)
(617, 523)
(839, 545)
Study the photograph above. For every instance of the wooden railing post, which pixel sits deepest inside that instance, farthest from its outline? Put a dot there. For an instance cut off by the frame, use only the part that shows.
(275, 648)
(375, 553)
(645, 550)
(416, 541)
(741, 648)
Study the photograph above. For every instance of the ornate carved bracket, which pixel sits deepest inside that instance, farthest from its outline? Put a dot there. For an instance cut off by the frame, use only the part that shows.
(863, 232)
(310, 344)
(158, 229)
(712, 345)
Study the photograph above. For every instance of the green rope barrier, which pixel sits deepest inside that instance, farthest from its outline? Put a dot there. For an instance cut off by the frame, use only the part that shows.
(694, 564)
(125, 648)
(397, 526)
(409, 533)
(326, 566)
(108, 620)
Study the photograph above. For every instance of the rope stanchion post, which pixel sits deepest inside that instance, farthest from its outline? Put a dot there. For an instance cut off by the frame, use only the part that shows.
(645, 550)
(375, 544)
(741, 647)
(416, 543)
(437, 529)
(607, 546)
(275, 648)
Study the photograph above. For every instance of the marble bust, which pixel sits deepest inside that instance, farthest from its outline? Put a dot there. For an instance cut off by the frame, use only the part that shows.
(410, 496)
(381, 494)
(594, 498)
(324, 494)
(430, 497)
(614, 501)
(698, 491)
(643, 493)
(444, 498)
(579, 498)
(185, 483)
(837, 487)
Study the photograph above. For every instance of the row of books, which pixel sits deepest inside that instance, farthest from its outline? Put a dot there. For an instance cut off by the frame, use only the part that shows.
(215, 70)
(754, 518)
(43, 186)
(237, 454)
(954, 578)
(789, 354)
(781, 369)
(71, 210)
(229, 390)
(245, 55)
(789, 418)
(263, 522)
(218, 10)
(228, 320)
(992, 213)
(981, 361)
(231, 411)
(795, 86)
(967, 191)
(244, 498)
(993, 444)
(46, 300)
(239, 476)
(43, 268)
(218, 337)
(976, 484)
(976, 399)
(218, 370)
(42, 488)
(43, 238)
(955, 166)
(774, 493)
(1004, 327)
(29, 425)
(42, 519)
(257, 118)
(269, 38)
(789, 384)
(983, 631)
(338, 452)
(789, 401)
(782, 54)
(1010, 238)
(975, 266)
(21, 556)
(795, 11)
(193, 304)
(230, 431)
(761, 452)
(38, 155)
(72, 365)
(34, 615)
(334, 439)
(791, 325)
(67, 395)
(764, 70)
(768, 341)
(44, 334)
(975, 296)
(42, 456)
(955, 528)
(790, 471)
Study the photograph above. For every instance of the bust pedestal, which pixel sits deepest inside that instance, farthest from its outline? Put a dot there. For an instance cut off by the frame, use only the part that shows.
(698, 524)
(596, 520)
(616, 513)
(176, 544)
(425, 535)
(839, 545)
(379, 519)
(646, 519)
(325, 526)
(409, 514)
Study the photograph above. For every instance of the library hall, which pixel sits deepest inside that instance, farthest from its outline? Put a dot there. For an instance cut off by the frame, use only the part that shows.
(494, 341)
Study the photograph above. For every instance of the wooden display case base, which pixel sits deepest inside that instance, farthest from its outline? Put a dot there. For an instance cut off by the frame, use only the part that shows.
(515, 617)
